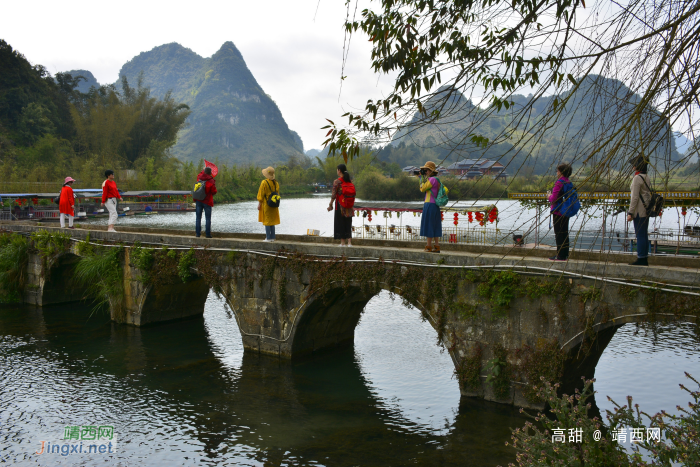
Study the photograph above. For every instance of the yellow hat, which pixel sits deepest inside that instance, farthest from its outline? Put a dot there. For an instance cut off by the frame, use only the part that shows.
(430, 165)
(269, 173)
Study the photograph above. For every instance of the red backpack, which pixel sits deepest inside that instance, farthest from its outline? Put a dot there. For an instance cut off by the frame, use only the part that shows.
(347, 195)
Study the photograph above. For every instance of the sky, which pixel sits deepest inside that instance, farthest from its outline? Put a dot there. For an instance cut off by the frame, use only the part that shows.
(293, 48)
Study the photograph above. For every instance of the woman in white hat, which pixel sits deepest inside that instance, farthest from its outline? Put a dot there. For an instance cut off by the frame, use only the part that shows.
(268, 196)
(66, 203)
(431, 220)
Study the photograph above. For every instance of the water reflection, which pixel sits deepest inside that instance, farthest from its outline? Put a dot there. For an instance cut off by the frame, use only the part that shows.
(185, 392)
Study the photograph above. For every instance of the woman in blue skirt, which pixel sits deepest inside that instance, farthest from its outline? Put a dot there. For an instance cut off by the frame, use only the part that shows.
(430, 222)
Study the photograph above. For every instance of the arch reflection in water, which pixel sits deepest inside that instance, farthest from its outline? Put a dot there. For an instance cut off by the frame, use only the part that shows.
(184, 393)
(389, 400)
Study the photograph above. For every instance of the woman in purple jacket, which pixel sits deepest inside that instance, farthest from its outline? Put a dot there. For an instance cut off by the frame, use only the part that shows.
(561, 222)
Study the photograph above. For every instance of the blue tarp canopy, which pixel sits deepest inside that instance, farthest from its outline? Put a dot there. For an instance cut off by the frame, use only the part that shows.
(156, 193)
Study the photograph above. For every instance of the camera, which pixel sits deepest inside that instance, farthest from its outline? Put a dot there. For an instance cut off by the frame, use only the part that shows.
(416, 173)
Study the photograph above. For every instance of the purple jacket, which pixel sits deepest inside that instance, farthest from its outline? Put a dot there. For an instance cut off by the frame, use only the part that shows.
(554, 197)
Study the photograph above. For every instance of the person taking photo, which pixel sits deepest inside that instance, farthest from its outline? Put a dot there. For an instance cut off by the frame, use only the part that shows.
(431, 220)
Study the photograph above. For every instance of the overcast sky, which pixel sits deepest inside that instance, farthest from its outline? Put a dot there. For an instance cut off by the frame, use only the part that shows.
(293, 50)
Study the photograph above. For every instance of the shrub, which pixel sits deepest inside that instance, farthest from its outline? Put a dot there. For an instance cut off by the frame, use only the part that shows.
(14, 250)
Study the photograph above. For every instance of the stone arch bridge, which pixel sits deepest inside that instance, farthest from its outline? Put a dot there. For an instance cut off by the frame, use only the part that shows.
(491, 307)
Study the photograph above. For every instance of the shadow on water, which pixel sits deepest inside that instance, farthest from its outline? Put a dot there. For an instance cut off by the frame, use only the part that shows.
(168, 393)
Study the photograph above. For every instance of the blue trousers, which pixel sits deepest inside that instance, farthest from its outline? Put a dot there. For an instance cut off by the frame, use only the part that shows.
(207, 214)
(641, 225)
(270, 232)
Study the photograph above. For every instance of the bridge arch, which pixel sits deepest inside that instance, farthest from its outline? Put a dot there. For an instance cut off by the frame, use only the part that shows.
(328, 318)
(57, 284)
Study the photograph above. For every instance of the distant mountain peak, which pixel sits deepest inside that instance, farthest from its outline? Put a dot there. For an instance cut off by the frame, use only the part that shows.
(232, 118)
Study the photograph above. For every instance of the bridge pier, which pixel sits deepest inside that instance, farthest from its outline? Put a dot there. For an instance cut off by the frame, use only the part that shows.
(148, 304)
(51, 284)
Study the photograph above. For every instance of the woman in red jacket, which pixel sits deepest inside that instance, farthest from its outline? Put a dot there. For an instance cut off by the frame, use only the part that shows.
(66, 203)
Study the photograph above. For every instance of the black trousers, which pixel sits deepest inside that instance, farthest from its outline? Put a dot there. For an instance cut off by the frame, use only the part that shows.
(342, 226)
(561, 235)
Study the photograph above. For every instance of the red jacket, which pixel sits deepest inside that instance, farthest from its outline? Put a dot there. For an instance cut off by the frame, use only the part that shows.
(67, 202)
(209, 188)
(109, 190)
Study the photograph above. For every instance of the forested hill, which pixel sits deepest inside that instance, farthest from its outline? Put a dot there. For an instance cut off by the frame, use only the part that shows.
(591, 115)
(232, 118)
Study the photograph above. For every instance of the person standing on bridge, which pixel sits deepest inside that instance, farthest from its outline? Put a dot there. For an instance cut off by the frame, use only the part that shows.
(206, 204)
(268, 203)
(66, 203)
(342, 224)
(431, 220)
(640, 197)
(110, 195)
(560, 220)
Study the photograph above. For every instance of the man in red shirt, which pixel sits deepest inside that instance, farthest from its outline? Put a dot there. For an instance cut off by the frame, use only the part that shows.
(110, 194)
(207, 203)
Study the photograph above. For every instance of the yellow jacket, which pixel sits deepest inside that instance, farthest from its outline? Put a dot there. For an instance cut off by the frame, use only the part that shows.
(266, 214)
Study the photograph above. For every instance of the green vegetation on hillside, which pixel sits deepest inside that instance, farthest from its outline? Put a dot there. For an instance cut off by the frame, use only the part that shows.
(48, 129)
(586, 120)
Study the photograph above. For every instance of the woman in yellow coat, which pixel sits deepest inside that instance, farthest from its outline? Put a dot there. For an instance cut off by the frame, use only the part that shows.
(269, 216)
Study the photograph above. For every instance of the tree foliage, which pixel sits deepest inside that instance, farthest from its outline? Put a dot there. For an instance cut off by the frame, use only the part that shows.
(679, 440)
(491, 50)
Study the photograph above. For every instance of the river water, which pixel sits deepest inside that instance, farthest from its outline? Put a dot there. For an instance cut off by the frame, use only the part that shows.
(185, 393)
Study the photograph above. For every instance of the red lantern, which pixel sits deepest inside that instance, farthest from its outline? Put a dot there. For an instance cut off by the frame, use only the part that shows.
(442, 216)
(470, 215)
(35, 201)
(456, 218)
(684, 211)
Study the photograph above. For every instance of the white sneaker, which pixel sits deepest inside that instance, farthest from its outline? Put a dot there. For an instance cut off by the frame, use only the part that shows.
(111, 230)
(268, 240)
(349, 246)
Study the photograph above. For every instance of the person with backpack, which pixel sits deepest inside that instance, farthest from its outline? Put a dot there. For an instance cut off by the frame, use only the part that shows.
(110, 195)
(343, 194)
(66, 203)
(564, 205)
(640, 198)
(268, 203)
(203, 196)
(431, 220)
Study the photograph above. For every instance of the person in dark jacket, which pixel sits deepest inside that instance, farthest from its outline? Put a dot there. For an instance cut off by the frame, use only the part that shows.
(559, 220)
(206, 204)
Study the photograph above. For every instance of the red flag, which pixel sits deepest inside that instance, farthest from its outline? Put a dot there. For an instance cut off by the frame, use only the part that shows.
(214, 168)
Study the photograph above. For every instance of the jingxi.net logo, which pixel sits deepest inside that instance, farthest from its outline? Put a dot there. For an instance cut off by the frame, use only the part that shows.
(81, 440)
